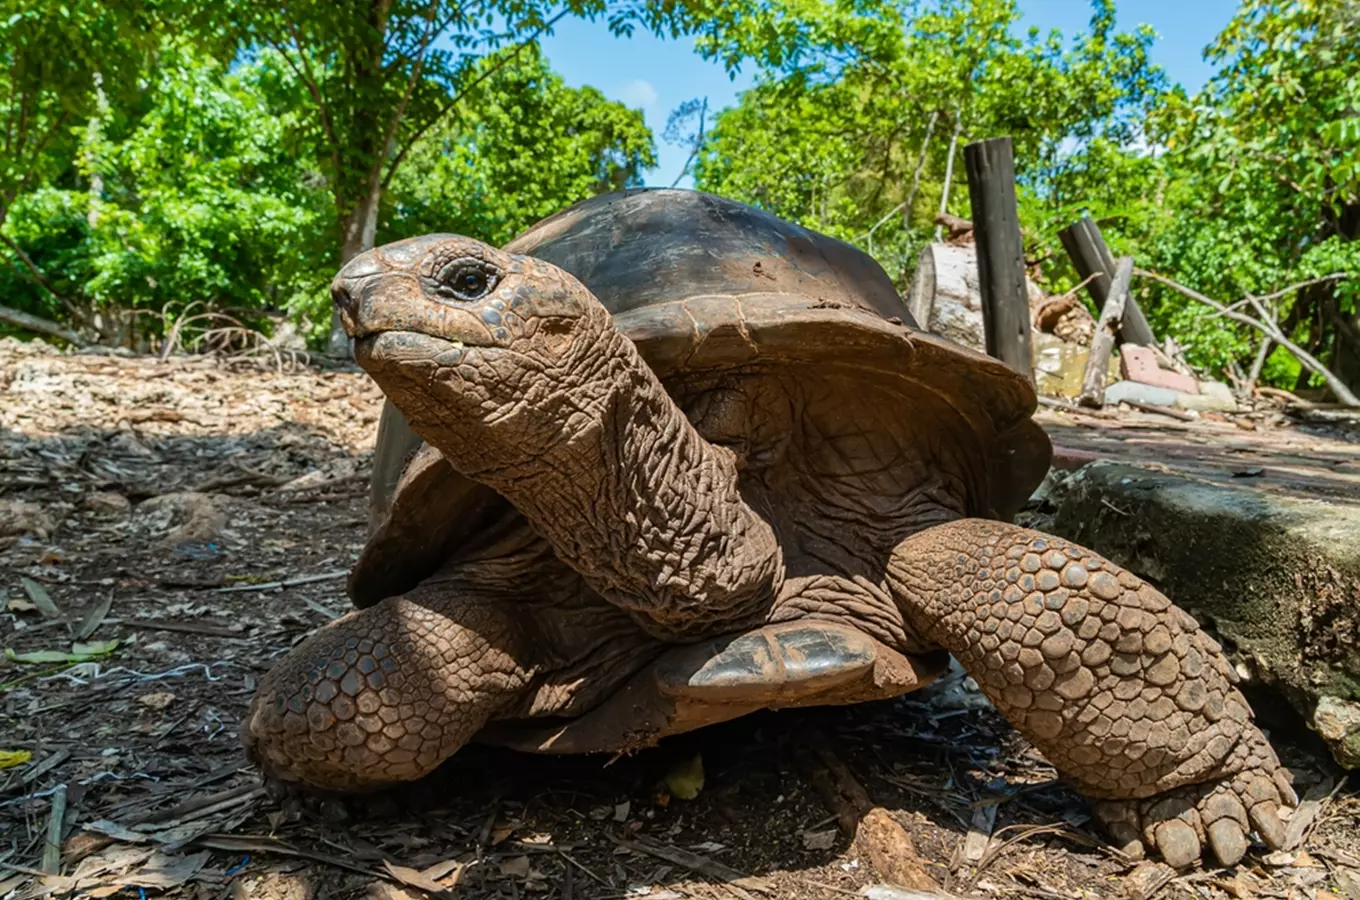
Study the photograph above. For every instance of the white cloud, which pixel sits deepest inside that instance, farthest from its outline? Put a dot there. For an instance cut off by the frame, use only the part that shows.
(638, 92)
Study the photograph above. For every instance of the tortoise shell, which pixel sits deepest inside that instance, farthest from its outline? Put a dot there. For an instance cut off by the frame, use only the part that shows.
(701, 283)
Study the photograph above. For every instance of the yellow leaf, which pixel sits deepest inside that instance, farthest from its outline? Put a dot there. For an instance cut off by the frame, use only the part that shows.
(685, 780)
(11, 758)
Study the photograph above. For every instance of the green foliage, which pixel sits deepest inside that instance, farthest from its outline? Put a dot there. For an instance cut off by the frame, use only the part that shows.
(853, 97)
(1246, 188)
(209, 196)
(527, 146)
(1262, 188)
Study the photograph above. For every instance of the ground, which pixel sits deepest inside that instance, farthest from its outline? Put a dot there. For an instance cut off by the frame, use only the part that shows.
(201, 514)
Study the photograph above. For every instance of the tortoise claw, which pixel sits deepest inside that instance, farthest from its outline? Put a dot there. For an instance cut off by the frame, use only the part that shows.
(1227, 841)
(1177, 842)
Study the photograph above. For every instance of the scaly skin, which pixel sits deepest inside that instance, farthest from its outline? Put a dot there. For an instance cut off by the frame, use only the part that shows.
(387, 693)
(526, 386)
(1118, 688)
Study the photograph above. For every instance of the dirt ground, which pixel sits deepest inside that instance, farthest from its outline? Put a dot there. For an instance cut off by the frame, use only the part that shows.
(169, 528)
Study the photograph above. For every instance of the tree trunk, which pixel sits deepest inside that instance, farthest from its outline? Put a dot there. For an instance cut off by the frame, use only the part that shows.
(945, 296)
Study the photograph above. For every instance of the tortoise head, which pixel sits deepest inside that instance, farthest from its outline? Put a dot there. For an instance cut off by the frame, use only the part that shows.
(486, 353)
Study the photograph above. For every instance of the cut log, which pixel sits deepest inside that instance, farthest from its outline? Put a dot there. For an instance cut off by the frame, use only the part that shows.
(39, 325)
(1090, 256)
(945, 296)
(1000, 253)
(1111, 316)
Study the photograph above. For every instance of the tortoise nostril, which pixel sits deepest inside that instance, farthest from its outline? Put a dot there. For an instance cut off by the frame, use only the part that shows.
(345, 298)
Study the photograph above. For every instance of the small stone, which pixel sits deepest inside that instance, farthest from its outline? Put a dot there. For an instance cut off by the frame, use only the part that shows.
(1047, 580)
(107, 504)
(19, 518)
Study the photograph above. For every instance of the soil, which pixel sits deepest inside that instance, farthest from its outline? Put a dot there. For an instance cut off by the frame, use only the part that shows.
(201, 513)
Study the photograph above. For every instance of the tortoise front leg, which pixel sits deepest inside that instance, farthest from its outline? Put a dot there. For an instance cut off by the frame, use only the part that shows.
(385, 694)
(1119, 689)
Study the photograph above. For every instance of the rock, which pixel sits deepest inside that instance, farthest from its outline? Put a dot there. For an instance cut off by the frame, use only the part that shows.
(1137, 392)
(1339, 724)
(1277, 578)
(1140, 364)
(107, 505)
(1213, 395)
(181, 517)
(19, 519)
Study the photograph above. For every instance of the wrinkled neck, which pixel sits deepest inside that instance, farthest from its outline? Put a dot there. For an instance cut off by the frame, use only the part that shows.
(649, 512)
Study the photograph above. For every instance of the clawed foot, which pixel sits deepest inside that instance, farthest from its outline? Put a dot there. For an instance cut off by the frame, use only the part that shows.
(1221, 814)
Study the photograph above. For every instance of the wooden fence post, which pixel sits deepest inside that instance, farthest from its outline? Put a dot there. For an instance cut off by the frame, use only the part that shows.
(1000, 252)
(1090, 256)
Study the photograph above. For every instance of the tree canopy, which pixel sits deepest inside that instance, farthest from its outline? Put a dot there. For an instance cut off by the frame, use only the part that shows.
(167, 154)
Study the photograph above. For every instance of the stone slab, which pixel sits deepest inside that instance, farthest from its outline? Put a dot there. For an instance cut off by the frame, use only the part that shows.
(1140, 364)
(1213, 395)
(1276, 578)
(1137, 392)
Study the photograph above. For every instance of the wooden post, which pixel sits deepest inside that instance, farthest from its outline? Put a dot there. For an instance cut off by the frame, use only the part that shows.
(1102, 342)
(1000, 252)
(1090, 255)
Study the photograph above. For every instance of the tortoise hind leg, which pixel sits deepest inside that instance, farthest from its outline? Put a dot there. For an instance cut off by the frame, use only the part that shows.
(790, 664)
(1121, 690)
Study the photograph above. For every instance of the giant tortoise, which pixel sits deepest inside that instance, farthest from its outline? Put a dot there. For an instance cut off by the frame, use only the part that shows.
(666, 459)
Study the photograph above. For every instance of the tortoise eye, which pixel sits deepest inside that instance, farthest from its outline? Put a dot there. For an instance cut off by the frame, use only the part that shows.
(466, 279)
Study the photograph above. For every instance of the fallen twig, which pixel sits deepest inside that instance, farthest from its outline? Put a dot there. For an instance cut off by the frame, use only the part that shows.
(1160, 410)
(1270, 330)
(290, 582)
(1069, 406)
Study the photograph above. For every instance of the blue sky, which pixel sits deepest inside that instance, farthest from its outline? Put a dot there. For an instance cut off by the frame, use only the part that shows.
(658, 75)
